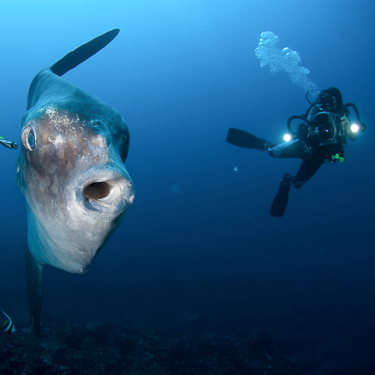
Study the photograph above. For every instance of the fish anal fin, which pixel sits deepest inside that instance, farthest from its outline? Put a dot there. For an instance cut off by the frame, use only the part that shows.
(34, 272)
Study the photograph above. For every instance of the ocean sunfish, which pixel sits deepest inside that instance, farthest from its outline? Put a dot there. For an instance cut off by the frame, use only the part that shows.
(71, 172)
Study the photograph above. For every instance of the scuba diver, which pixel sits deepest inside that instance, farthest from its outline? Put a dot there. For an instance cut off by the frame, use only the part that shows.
(8, 144)
(320, 138)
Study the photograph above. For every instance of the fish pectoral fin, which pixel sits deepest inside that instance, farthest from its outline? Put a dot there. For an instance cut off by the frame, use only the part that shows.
(34, 272)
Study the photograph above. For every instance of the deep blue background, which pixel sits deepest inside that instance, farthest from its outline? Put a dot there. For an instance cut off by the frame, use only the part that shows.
(181, 72)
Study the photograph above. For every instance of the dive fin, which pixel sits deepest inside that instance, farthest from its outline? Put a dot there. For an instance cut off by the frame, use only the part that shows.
(82, 53)
(281, 200)
(34, 290)
(244, 139)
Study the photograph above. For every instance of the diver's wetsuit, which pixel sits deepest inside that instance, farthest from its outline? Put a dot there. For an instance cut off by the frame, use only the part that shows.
(294, 149)
(312, 154)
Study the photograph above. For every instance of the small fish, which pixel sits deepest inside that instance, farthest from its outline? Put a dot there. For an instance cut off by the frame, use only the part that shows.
(8, 325)
(236, 169)
(9, 144)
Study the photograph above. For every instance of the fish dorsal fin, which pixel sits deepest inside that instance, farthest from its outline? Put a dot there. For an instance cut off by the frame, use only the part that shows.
(5, 314)
(82, 53)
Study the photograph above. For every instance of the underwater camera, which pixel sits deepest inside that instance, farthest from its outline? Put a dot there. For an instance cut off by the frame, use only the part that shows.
(324, 128)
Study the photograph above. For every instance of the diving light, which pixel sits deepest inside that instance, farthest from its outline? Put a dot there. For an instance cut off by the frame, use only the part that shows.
(354, 128)
(287, 137)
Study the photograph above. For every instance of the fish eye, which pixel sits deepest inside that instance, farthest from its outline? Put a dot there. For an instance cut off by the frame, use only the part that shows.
(28, 138)
(124, 139)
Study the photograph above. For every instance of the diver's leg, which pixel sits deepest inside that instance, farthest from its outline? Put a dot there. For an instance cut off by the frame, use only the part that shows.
(307, 169)
(295, 149)
(288, 150)
(292, 149)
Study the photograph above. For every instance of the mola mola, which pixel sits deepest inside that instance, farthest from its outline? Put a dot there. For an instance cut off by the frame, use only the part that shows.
(71, 172)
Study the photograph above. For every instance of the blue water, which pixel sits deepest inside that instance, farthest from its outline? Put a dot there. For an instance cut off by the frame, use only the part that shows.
(199, 245)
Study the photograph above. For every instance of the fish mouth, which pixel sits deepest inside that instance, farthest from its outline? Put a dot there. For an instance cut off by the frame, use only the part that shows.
(105, 193)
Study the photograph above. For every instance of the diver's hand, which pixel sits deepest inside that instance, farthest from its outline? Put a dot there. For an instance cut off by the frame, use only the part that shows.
(344, 122)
